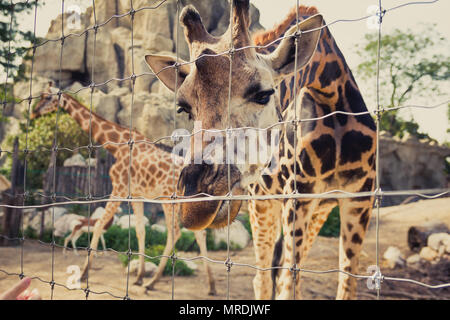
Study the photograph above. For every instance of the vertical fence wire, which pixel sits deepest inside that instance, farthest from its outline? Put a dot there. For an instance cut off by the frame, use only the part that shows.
(94, 14)
(27, 130)
(131, 145)
(228, 262)
(377, 164)
(173, 164)
(54, 153)
(295, 128)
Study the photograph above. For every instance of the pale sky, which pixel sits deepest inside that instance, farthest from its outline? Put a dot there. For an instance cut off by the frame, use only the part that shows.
(347, 34)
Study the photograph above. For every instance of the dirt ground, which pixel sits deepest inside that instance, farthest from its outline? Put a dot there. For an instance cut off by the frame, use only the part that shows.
(108, 274)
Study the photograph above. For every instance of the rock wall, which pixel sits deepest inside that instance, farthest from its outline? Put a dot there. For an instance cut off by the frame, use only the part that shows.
(154, 31)
(408, 164)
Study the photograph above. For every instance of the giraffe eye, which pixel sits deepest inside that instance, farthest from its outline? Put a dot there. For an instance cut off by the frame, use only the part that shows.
(263, 97)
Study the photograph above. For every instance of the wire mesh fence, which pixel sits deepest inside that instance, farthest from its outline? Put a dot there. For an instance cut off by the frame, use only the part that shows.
(53, 197)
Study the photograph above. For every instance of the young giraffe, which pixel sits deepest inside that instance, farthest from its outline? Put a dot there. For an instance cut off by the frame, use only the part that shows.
(327, 84)
(151, 176)
(336, 152)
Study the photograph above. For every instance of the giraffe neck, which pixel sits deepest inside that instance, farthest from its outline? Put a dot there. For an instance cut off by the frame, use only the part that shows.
(326, 79)
(101, 130)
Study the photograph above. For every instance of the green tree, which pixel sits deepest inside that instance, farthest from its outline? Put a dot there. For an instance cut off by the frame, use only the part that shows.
(411, 65)
(40, 141)
(15, 42)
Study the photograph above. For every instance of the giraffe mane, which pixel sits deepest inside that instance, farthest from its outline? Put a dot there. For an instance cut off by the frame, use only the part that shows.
(264, 37)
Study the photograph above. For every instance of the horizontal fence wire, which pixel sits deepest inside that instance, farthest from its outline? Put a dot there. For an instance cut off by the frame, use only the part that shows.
(173, 199)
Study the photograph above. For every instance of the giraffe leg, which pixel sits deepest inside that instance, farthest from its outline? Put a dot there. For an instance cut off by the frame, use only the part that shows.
(74, 241)
(66, 242)
(200, 237)
(138, 208)
(102, 238)
(293, 235)
(265, 223)
(355, 216)
(173, 231)
(316, 222)
(110, 210)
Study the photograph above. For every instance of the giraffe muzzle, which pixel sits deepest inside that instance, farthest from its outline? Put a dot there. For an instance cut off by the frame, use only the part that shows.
(200, 180)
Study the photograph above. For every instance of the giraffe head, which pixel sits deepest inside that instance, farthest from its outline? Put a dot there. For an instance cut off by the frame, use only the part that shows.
(47, 103)
(203, 92)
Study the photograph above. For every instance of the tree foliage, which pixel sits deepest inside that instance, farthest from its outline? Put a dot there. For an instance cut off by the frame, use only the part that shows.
(411, 65)
(14, 42)
(40, 139)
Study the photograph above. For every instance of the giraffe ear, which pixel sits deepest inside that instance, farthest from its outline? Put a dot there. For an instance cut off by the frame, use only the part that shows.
(163, 67)
(283, 58)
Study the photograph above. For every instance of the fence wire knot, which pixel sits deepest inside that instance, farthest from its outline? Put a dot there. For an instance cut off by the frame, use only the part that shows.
(129, 254)
(381, 13)
(132, 12)
(87, 291)
(294, 270)
(374, 282)
(228, 263)
(133, 78)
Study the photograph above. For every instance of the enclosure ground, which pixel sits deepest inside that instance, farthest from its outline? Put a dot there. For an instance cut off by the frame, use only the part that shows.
(108, 274)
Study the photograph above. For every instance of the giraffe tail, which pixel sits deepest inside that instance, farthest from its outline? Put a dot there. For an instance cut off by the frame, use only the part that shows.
(276, 262)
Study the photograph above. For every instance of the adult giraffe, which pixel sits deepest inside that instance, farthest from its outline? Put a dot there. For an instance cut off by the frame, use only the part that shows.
(336, 152)
(151, 175)
(327, 84)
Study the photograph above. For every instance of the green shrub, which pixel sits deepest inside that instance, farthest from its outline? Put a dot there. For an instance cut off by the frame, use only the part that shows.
(187, 242)
(331, 227)
(117, 239)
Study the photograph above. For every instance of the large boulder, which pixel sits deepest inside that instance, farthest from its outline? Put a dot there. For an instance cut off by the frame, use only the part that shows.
(126, 221)
(410, 164)
(104, 10)
(394, 257)
(106, 60)
(239, 236)
(77, 160)
(149, 267)
(63, 224)
(106, 105)
(32, 218)
(150, 111)
(439, 242)
(47, 56)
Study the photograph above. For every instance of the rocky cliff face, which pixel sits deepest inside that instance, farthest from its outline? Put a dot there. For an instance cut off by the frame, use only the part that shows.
(409, 164)
(406, 164)
(115, 57)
